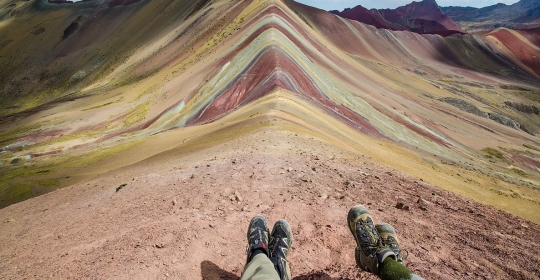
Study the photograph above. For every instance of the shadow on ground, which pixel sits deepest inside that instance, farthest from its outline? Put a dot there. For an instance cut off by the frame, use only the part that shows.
(210, 271)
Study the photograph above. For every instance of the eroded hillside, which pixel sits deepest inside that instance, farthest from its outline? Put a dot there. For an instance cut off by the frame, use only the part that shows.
(88, 87)
(170, 123)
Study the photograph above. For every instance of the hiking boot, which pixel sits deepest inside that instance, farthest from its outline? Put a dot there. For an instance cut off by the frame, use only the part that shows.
(370, 250)
(280, 243)
(389, 238)
(257, 236)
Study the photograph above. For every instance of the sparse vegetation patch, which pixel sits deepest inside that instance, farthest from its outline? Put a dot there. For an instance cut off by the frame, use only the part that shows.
(492, 153)
(120, 187)
(138, 114)
(531, 147)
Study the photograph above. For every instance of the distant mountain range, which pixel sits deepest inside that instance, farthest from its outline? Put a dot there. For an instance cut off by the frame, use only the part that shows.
(424, 17)
(427, 17)
(521, 15)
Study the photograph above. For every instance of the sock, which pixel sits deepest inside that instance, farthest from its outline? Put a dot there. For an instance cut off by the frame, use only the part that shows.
(256, 252)
(390, 269)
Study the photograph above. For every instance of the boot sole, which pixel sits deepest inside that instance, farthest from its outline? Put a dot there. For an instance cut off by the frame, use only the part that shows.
(356, 213)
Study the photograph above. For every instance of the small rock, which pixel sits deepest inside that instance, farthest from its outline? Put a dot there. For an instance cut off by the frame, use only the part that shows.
(174, 202)
(423, 204)
(245, 209)
(401, 204)
(421, 200)
(263, 207)
(192, 176)
(238, 197)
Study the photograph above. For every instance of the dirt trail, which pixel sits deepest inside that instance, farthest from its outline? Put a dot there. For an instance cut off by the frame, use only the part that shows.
(184, 217)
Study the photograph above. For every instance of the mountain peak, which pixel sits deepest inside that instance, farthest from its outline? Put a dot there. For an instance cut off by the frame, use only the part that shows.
(168, 123)
(420, 17)
(520, 15)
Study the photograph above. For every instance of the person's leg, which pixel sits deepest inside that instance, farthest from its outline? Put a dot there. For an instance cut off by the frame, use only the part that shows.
(377, 248)
(280, 243)
(368, 254)
(259, 266)
(391, 268)
(389, 238)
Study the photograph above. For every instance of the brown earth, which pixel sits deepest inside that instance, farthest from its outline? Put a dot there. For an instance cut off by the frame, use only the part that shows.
(183, 214)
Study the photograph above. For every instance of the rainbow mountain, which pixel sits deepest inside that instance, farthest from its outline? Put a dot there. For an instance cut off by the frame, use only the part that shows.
(83, 83)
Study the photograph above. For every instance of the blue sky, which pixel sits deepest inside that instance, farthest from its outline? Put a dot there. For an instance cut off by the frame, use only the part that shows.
(381, 4)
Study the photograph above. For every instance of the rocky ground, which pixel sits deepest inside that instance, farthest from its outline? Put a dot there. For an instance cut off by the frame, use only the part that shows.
(184, 215)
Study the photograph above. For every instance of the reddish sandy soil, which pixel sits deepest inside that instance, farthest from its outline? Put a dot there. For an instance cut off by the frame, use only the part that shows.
(184, 216)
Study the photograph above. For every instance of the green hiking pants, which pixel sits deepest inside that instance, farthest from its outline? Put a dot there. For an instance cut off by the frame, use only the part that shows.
(260, 268)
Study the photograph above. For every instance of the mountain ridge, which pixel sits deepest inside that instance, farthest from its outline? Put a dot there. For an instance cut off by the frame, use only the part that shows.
(126, 144)
(519, 15)
(424, 17)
